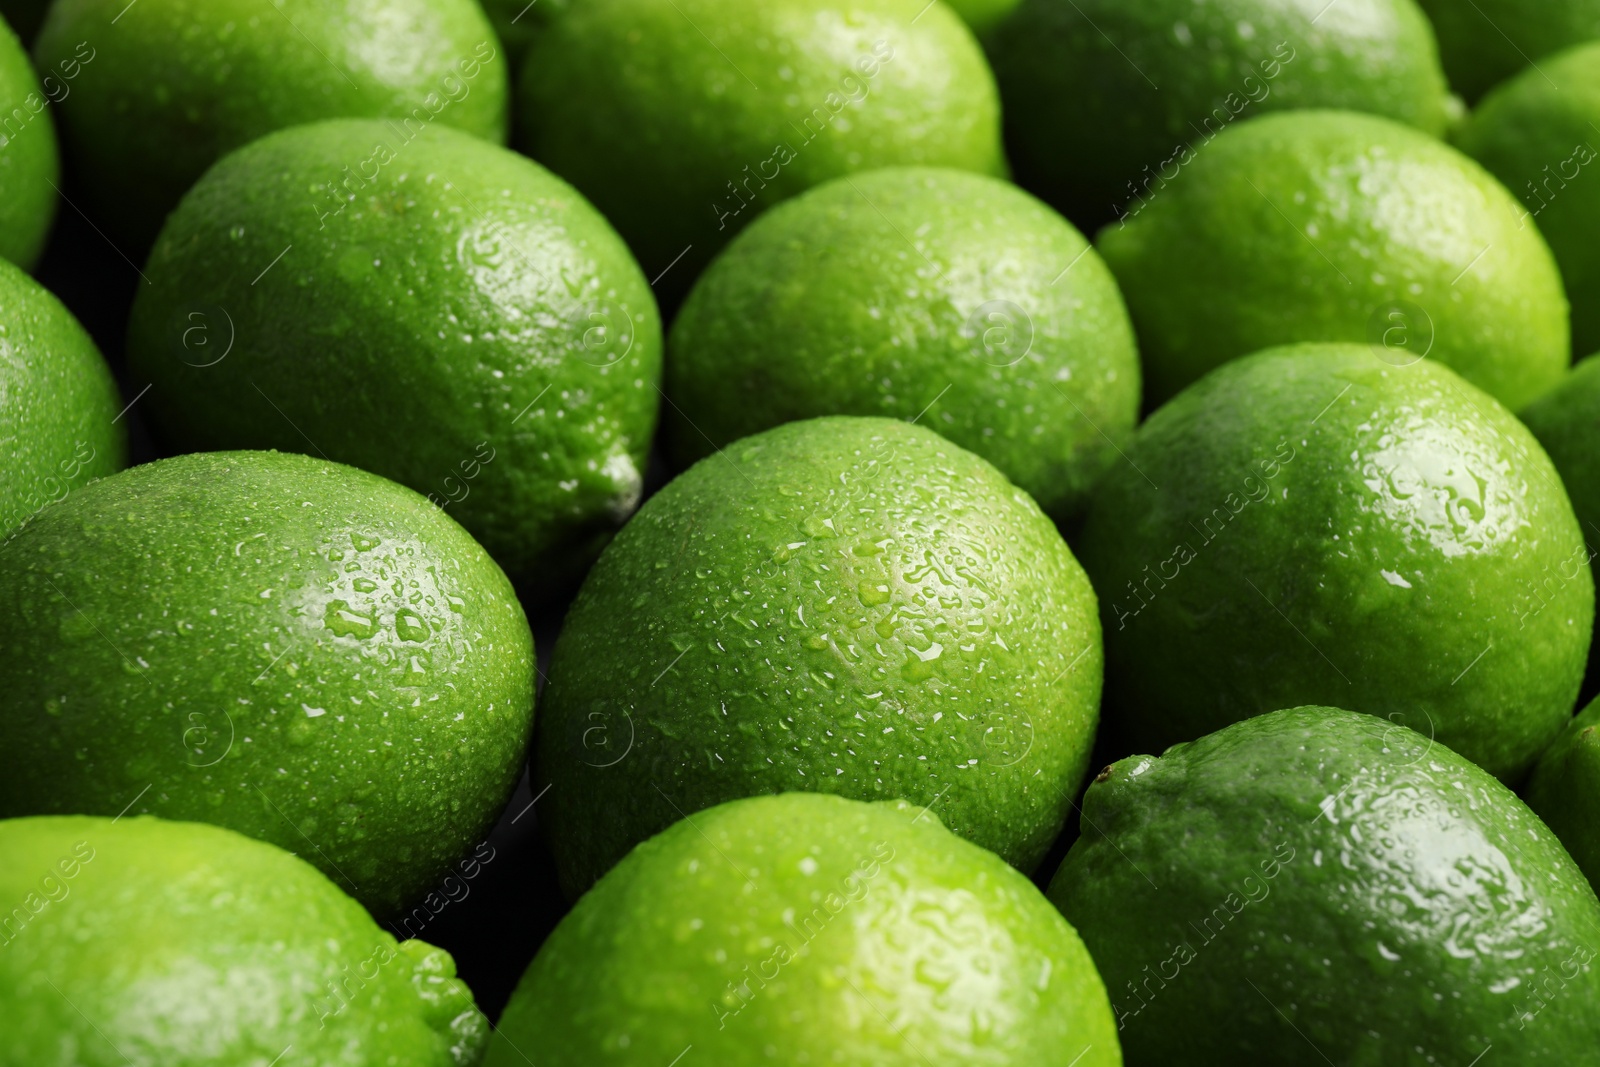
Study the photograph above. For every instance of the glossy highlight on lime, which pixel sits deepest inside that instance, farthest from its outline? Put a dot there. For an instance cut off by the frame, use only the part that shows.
(294, 649)
(1318, 877)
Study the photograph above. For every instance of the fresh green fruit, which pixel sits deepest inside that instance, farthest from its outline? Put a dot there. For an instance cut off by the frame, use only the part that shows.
(58, 404)
(1315, 524)
(836, 931)
(998, 324)
(1537, 133)
(984, 15)
(458, 320)
(180, 83)
(1485, 42)
(1107, 101)
(682, 121)
(1318, 886)
(845, 605)
(1564, 790)
(293, 649)
(24, 16)
(173, 943)
(1330, 226)
(29, 165)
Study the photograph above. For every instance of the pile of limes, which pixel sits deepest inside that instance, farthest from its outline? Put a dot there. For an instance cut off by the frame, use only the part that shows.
(888, 413)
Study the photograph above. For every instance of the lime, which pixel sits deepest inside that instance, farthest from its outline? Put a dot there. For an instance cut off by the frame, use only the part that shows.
(996, 323)
(1319, 886)
(519, 22)
(1537, 133)
(1564, 790)
(1315, 523)
(1331, 226)
(1107, 101)
(296, 650)
(177, 84)
(836, 931)
(1485, 42)
(683, 121)
(140, 941)
(448, 314)
(29, 167)
(984, 15)
(58, 405)
(844, 605)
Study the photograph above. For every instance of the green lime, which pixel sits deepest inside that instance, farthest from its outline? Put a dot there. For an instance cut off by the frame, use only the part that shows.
(58, 405)
(996, 323)
(1107, 101)
(29, 166)
(1537, 133)
(294, 649)
(141, 941)
(1564, 790)
(844, 605)
(1485, 42)
(1319, 886)
(683, 121)
(836, 931)
(438, 310)
(177, 84)
(1333, 226)
(1317, 524)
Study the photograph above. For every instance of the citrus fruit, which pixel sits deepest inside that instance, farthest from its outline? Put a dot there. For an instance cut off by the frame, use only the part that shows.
(1107, 101)
(1484, 42)
(1564, 790)
(58, 404)
(518, 22)
(297, 650)
(983, 15)
(845, 605)
(142, 941)
(179, 83)
(1316, 885)
(1537, 134)
(1333, 226)
(996, 323)
(29, 166)
(453, 317)
(1316, 524)
(836, 931)
(684, 121)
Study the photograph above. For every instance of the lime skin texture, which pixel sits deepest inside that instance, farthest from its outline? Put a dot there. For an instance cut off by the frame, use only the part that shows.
(1564, 790)
(1566, 420)
(293, 649)
(1319, 881)
(996, 323)
(30, 165)
(1319, 524)
(1484, 42)
(450, 315)
(1536, 133)
(58, 402)
(1333, 226)
(841, 605)
(1106, 100)
(174, 85)
(836, 931)
(684, 121)
(134, 942)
